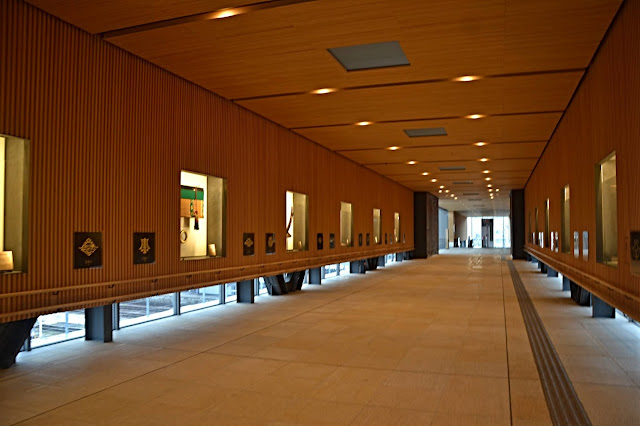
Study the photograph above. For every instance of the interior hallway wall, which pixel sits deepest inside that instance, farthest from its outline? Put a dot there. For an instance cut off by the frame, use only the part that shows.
(109, 136)
(601, 118)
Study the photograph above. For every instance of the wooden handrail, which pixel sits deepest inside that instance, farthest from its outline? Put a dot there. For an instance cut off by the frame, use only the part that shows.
(594, 285)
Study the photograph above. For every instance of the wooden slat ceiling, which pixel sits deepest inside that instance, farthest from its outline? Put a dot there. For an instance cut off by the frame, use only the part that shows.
(531, 55)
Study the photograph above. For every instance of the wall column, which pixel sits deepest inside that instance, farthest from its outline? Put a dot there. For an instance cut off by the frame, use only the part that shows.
(99, 323)
(246, 291)
(315, 276)
(517, 223)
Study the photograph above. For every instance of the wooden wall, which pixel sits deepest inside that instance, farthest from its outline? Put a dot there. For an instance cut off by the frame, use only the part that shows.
(109, 135)
(604, 116)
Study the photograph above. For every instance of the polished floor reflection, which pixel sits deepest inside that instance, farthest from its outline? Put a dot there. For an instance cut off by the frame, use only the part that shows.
(437, 341)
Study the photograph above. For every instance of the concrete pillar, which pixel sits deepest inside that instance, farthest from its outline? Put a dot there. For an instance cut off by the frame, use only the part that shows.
(399, 257)
(357, 267)
(12, 337)
(516, 198)
(551, 272)
(602, 309)
(381, 260)
(99, 323)
(246, 291)
(566, 284)
(315, 276)
(533, 259)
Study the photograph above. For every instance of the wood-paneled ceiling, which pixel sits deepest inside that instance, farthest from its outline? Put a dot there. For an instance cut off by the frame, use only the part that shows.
(531, 55)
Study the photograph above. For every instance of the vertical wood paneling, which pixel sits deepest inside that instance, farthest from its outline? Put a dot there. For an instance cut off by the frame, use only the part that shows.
(109, 135)
(602, 117)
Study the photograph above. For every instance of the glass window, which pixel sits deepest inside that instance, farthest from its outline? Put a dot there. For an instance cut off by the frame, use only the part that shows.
(346, 225)
(331, 271)
(199, 298)
(396, 227)
(14, 194)
(565, 230)
(297, 221)
(262, 287)
(377, 227)
(546, 224)
(537, 233)
(147, 309)
(202, 216)
(230, 294)
(344, 268)
(607, 212)
(58, 327)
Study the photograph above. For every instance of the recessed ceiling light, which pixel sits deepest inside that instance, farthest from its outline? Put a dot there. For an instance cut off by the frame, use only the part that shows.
(484, 160)
(447, 191)
(497, 189)
(440, 191)
(323, 91)
(486, 171)
(455, 198)
(225, 13)
(480, 143)
(393, 148)
(489, 186)
(441, 186)
(363, 123)
(452, 195)
(487, 179)
(434, 180)
(475, 116)
(411, 162)
(425, 173)
(490, 190)
(465, 78)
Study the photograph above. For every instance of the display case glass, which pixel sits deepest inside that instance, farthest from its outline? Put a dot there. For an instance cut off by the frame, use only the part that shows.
(297, 221)
(396, 227)
(14, 202)
(346, 225)
(565, 229)
(202, 216)
(377, 226)
(607, 212)
(547, 236)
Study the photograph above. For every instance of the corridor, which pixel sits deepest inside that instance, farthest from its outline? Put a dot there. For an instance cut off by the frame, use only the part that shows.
(437, 341)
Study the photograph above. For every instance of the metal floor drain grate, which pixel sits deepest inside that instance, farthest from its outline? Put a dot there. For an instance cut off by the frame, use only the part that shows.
(564, 405)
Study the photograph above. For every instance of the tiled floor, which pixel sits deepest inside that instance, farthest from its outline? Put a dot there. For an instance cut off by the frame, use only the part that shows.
(438, 341)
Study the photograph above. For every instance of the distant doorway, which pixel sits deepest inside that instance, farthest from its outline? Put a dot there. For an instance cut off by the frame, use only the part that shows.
(487, 233)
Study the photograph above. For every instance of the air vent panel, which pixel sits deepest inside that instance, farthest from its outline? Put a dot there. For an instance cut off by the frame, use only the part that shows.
(427, 131)
(452, 168)
(464, 182)
(370, 56)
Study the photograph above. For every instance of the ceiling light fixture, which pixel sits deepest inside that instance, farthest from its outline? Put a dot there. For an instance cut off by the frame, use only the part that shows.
(497, 189)
(411, 162)
(486, 171)
(323, 91)
(480, 143)
(425, 173)
(489, 186)
(466, 78)
(487, 179)
(440, 191)
(475, 116)
(484, 160)
(364, 123)
(225, 13)
(434, 180)
(455, 198)
(393, 148)
(447, 191)
(441, 186)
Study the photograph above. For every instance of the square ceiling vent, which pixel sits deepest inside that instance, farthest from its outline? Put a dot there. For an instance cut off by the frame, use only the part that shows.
(429, 131)
(452, 168)
(370, 56)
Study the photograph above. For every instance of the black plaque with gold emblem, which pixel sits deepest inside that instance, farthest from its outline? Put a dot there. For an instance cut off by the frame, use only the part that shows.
(270, 241)
(144, 247)
(248, 244)
(320, 241)
(368, 239)
(332, 241)
(87, 250)
(635, 252)
(360, 239)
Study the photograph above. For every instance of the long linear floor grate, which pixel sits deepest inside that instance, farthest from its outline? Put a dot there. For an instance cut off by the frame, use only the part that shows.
(564, 405)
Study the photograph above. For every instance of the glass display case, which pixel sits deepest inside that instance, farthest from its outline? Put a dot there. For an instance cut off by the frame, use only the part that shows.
(607, 212)
(396, 227)
(297, 221)
(377, 226)
(202, 215)
(346, 225)
(14, 202)
(565, 230)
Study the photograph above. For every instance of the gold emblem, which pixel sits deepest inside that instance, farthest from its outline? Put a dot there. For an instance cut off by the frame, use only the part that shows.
(144, 246)
(635, 249)
(248, 242)
(319, 240)
(88, 247)
(270, 241)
